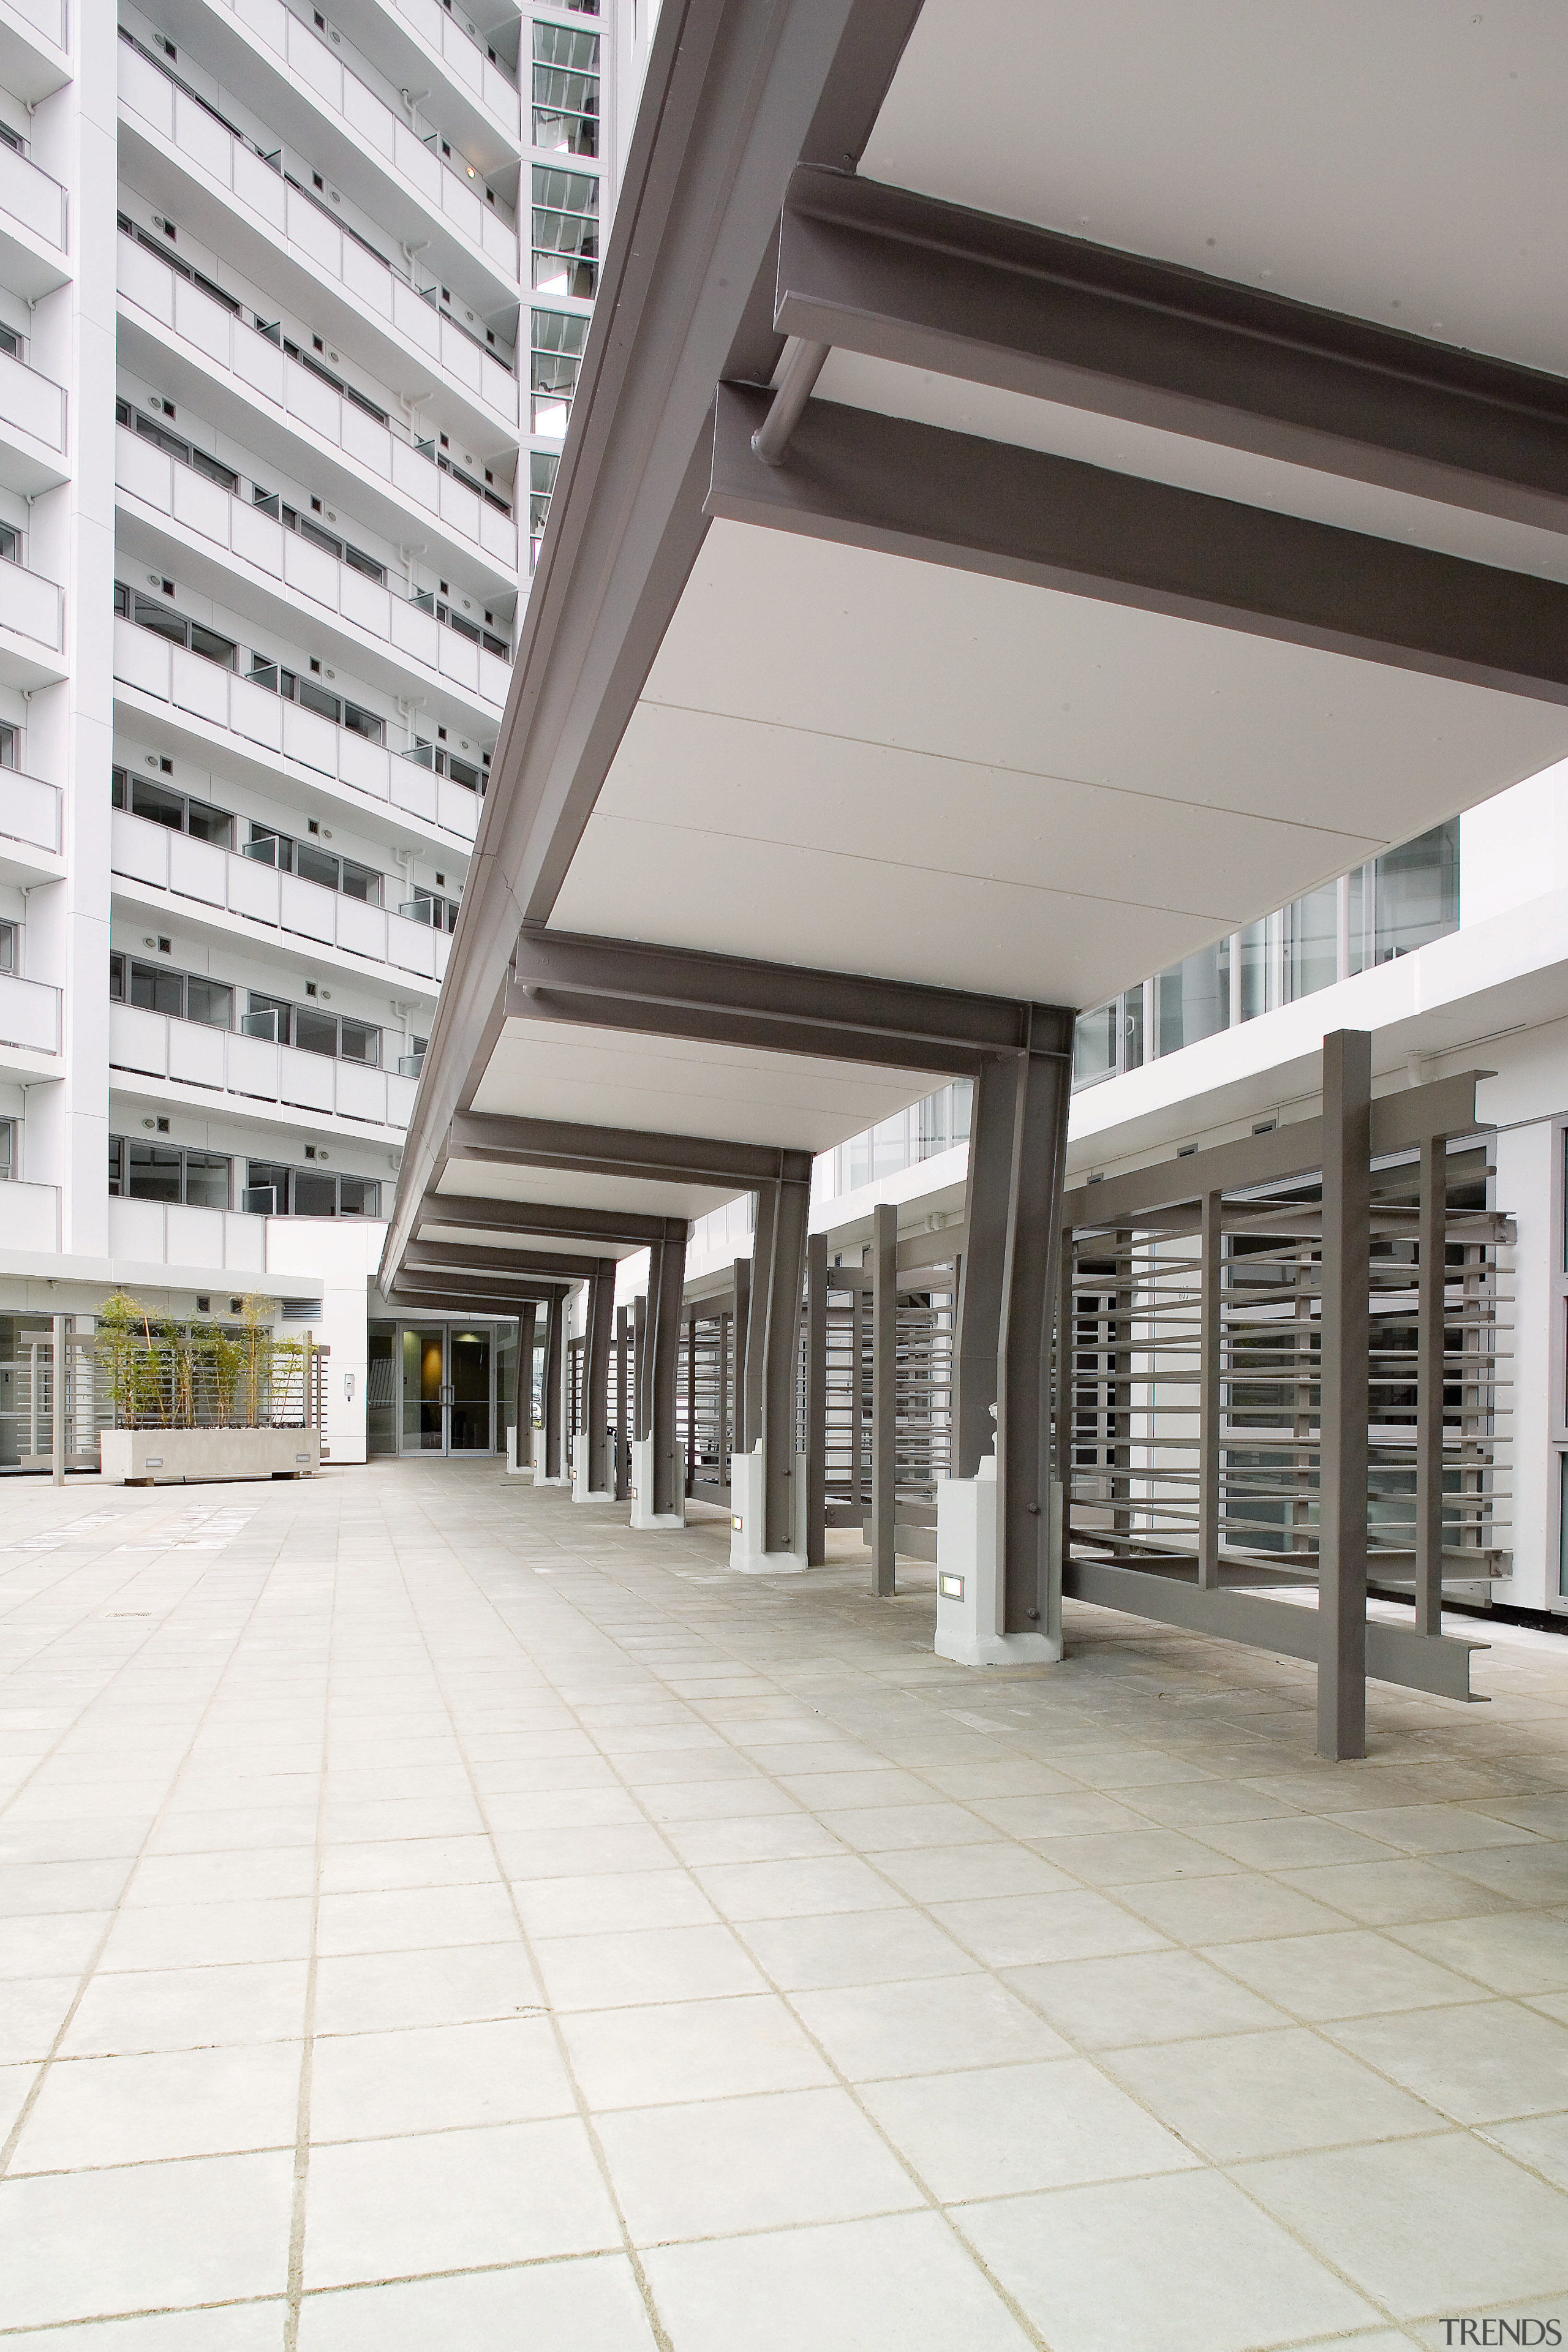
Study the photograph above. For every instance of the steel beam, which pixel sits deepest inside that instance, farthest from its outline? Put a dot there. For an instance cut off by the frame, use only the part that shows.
(622, 1151)
(1343, 1391)
(463, 1259)
(883, 1529)
(779, 1008)
(596, 1373)
(533, 1220)
(554, 1364)
(860, 479)
(816, 1399)
(936, 286)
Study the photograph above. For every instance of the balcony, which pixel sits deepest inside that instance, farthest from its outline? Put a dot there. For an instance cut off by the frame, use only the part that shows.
(32, 625)
(160, 1232)
(33, 62)
(409, 37)
(285, 904)
(220, 1061)
(29, 829)
(29, 1014)
(295, 577)
(265, 218)
(32, 226)
(260, 723)
(32, 1214)
(32, 429)
(301, 404)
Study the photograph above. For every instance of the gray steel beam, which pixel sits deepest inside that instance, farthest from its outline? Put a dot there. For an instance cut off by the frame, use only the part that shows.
(1395, 1653)
(781, 1360)
(596, 1373)
(554, 1362)
(735, 999)
(963, 294)
(622, 1151)
(883, 1529)
(664, 1349)
(1343, 1391)
(533, 1220)
(463, 1259)
(860, 479)
(815, 1400)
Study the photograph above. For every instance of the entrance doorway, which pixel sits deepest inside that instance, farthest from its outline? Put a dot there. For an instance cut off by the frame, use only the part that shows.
(447, 1389)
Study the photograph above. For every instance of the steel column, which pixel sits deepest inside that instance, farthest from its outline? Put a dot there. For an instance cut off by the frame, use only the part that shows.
(1431, 1270)
(1210, 1274)
(596, 1373)
(1343, 1391)
(816, 1401)
(664, 1352)
(781, 1366)
(554, 1364)
(884, 1398)
(742, 1324)
(980, 1278)
(640, 1387)
(526, 1316)
(757, 1322)
(623, 1434)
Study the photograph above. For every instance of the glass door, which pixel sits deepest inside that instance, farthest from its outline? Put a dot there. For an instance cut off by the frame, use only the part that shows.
(469, 1394)
(425, 1392)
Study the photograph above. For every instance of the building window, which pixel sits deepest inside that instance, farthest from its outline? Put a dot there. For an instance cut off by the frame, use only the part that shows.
(175, 445)
(565, 233)
(182, 995)
(10, 744)
(541, 471)
(565, 91)
(273, 677)
(164, 622)
(9, 942)
(273, 1188)
(161, 805)
(162, 1172)
(268, 847)
(311, 1031)
(9, 1138)
(555, 359)
(1418, 892)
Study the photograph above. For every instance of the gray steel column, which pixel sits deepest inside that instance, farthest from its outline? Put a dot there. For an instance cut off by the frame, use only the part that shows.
(1342, 1389)
(816, 1399)
(1211, 1244)
(977, 1346)
(596, 1373)
(554, 1359)
(57, 1409)
(1431, 1272)
(523, 1404)
(623, 1434)
(640, 1388)
(884, 1396)
(757, 1313)
(738, 1343)
(781, 1367)
(664, 1350)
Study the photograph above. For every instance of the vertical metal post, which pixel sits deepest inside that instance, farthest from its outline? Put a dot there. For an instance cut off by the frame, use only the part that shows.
(523, 1404)
(738, 1342)
(1042, 1097)
(689, 1325)
(978, 1343)
(554, 1365)
(641, 1386)
(781, 1358)
(884, 1398)
(757, 1313)
(623, 1434)
(57, 1414)
(1342, 1389)
(816, 1401)
(1210, 1274)
(596, 1373)
(664, 1349)
(1431, 1227)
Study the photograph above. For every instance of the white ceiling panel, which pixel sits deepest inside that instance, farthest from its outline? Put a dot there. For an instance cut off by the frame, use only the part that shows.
(489, 1180)
(1404, 161)
(507, 1244)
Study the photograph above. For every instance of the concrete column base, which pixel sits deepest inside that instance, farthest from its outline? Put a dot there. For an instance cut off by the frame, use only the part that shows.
(540, 1479)
(514, 1468)
(747, 1557)
(644, 1516)
(969, 1582)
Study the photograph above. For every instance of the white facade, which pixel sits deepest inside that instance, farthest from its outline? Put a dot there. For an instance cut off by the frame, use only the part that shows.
(291, 309)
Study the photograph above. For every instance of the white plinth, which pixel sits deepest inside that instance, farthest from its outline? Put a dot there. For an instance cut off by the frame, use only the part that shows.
(969, 1614)
(514, 1467)
(540, 1479)
(748, 1517)
(643, 1513)
(581, 1490)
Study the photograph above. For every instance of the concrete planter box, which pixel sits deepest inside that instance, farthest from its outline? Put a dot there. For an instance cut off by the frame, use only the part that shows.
(170, 1457)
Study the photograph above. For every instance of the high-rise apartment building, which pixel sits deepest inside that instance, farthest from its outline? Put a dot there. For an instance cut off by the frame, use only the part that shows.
(291, 309)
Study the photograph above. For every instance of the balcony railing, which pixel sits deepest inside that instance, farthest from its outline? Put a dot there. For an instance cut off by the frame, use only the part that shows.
(44, 16)
(31, 604)
(29, 811)
(263, 723)
(287, 903)
(29, 1014)
(223, 335)
(32, 402)
(281, 208)
(31, 198)
(188, 1052)
(159, 1232)
(467, 57)
(410, 626)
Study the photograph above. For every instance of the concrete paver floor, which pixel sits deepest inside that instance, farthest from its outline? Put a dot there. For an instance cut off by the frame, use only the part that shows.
(433, 1915)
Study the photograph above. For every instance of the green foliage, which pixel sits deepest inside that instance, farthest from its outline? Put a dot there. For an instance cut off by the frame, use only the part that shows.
(163, 1374)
